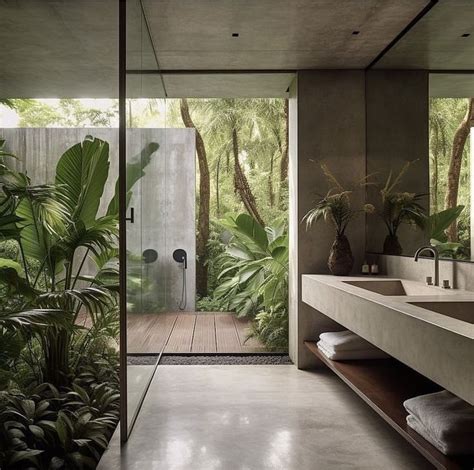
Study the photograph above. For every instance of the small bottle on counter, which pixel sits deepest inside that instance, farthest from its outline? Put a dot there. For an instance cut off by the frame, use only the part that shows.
(365, 268)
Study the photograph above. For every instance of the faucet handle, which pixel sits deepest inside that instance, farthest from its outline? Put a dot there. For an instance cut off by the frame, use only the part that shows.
(429, 281)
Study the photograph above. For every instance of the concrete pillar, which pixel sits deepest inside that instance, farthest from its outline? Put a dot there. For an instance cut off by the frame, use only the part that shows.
(327, 123)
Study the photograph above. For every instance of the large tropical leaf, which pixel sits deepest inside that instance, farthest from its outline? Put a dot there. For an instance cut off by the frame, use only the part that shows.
(43, 218)
(249, 227)
(438, 223)
(135, 171)
(33, 320)
(81, 175)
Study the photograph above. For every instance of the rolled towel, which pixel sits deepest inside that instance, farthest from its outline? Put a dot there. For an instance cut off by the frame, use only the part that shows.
(330, 353)
(463, 444)
(446, 418)
(345, 341)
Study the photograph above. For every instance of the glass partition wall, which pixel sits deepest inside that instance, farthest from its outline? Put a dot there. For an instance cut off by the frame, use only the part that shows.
(139, 149)
(158, 226)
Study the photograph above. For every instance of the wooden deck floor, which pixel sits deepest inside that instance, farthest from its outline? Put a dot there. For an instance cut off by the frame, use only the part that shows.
(190, 333)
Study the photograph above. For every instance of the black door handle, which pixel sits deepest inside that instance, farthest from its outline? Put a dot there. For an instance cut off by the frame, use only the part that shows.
(131, 219)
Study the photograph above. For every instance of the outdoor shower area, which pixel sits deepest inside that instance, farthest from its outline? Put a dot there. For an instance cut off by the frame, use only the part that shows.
(161, 235)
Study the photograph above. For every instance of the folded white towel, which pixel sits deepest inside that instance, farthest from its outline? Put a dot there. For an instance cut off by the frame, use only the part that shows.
(371, 353)
(461, 444)
(345, 341)
(444, 417)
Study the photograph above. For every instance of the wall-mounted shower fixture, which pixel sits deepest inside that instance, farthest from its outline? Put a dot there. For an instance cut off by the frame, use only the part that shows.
(181, 257)
(149, 255)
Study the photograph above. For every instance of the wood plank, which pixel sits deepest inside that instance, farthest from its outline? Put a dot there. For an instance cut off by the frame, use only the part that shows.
(204, 339)
(181, 337)
(248, 345)
(226, 335)
(384, 384)
(149, 333)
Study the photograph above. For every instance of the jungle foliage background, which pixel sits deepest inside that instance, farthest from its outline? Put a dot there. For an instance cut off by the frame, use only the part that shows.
(242, 153)
(451, 120)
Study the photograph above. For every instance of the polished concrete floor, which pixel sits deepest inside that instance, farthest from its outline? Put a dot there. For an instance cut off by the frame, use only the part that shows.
(256, 418)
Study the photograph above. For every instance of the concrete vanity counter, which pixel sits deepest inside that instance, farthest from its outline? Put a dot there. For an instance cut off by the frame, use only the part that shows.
(436, 345)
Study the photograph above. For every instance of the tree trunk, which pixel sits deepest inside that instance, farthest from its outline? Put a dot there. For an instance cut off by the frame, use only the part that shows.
(284, 157)
(218, 202)
(241, 184)
(202, 237)
(460, 137)
(271, 193)
(434, 173)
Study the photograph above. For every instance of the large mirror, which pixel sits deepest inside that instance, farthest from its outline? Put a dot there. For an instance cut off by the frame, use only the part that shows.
(424, 197)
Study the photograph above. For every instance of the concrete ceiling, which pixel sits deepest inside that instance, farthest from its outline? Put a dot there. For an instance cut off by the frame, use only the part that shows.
(436, 42)
(448, 85)
(275, 34)
(68, 48)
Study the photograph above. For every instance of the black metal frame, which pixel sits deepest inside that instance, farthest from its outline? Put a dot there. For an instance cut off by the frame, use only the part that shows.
(122, 184)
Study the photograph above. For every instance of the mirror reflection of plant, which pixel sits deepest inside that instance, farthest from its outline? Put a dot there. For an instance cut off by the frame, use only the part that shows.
(436, 227)
(399, 208)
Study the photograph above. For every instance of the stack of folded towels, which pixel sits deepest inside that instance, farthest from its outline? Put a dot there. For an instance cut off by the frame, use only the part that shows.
(345, 345)
(444, 420)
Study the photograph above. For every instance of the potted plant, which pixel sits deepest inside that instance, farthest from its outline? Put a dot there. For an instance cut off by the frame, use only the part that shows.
(336, 207)
(399, 208)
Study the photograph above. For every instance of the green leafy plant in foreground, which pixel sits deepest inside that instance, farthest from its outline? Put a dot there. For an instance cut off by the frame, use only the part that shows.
(60, 376)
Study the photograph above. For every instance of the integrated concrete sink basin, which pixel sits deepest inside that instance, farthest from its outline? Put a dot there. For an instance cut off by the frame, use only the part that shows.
(463, 311)
(394, 287)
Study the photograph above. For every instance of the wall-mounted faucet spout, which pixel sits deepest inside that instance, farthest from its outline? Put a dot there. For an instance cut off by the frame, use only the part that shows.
(435, 254)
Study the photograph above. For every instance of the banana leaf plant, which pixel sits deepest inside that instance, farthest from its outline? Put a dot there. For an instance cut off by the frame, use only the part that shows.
(58, 225)
(436, 226)
(254, 272)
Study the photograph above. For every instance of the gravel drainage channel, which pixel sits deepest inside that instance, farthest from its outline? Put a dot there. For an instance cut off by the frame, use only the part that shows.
(211, 359)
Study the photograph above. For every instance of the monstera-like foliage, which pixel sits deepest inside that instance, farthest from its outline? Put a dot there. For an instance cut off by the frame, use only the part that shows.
(254, 272)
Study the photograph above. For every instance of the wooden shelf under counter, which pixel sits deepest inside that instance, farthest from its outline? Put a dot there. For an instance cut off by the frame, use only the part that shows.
(384, 384)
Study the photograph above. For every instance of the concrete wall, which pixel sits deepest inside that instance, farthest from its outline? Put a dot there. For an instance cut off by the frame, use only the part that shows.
(397, 132)
(164, 202)
(328, 119)
(359, 124)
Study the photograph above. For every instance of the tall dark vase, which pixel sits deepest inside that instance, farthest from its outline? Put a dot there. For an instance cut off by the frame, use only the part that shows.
(340, 260)
(391, 245)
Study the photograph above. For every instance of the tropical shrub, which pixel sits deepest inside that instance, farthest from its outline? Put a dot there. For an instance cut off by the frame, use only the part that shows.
(254, 274)
(58, 323)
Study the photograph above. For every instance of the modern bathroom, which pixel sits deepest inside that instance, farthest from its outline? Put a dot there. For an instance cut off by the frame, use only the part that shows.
(312, 161)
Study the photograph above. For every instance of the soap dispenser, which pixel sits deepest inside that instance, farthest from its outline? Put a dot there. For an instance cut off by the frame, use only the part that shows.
(365, 268)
